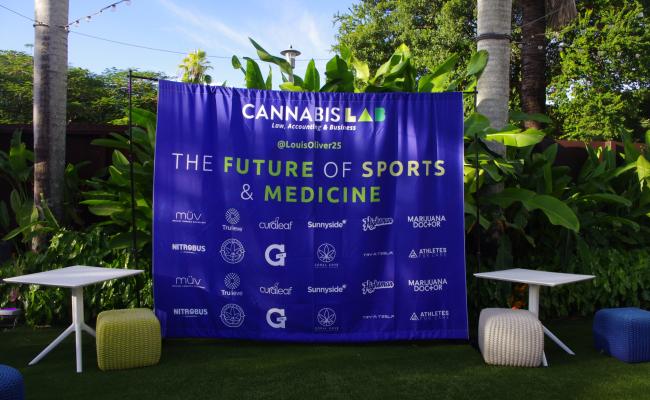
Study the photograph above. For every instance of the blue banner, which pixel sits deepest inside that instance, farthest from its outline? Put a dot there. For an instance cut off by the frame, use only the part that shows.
(319, 217)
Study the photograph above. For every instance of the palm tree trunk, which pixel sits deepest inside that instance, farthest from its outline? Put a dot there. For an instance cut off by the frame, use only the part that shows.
(533, 59)
(493, 29)
(50, 97)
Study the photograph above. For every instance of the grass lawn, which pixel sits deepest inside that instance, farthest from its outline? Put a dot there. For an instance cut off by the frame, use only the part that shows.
(217, 369)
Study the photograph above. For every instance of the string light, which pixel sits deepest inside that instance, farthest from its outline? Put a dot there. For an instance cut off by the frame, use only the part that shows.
(112, 7)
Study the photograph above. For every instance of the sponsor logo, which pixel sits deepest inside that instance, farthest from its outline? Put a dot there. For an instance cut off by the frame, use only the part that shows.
(290, 113)
(232, 251)
(372, 223)
(429, 315)
(232, 218)
(188, 217)
(327, 225)
(426, 221)
(327, 290)
(232, 315)
(369, 287)
(326, 319)
(378, 254)
(276, 290)
(188, 248)
(275, 318)
(326, 254)
(188, 282)
(427, 285)
(232, 282)
(428, 252)
(191, 312)
(275, 255)
(378, 316)
(276, 225)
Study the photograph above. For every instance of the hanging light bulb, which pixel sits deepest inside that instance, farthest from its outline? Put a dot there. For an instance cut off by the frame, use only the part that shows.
(76, 23)
(88, 18)
(113, 7)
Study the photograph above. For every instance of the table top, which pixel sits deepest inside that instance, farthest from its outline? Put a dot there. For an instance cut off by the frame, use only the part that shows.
(534, 277)
(75, 276)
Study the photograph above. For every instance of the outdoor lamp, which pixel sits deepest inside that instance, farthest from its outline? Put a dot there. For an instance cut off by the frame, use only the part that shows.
(290, 54)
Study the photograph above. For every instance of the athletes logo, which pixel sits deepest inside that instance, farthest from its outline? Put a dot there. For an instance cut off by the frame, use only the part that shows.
(276, 290)
(335, 289)
(426, 221)
(188, 217)
(232, 315)
(369, 287)
(232, 251)
(232, 218)
(429, 315)
(372, 223)
(188, 248)
(191, 312)
(276, 318)
(326, 254)
(275, 259)
(232, 283)
(326, 318)
(276, 225)
(428, 285)
(326, 225)
(188, 282)
(428, 252)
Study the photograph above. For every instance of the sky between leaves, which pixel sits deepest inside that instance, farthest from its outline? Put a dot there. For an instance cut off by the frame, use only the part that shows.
(221, 28)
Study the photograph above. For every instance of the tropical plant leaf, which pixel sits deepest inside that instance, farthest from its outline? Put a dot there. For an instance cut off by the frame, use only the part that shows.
(312, 78)
(254, 78)
(557, 212)
(477, 63)
(516, 138)
(265, 56)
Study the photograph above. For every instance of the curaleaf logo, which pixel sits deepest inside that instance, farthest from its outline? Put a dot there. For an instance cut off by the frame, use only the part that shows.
(276, 290)
(369, 287)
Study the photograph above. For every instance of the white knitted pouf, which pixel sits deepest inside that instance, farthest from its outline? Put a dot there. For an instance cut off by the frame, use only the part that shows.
(510, 337)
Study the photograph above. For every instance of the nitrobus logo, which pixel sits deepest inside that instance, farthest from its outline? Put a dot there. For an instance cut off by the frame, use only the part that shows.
(191, 312)
(312, 114)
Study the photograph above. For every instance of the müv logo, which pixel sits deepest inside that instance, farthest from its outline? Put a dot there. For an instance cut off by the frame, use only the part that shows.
(188, 217)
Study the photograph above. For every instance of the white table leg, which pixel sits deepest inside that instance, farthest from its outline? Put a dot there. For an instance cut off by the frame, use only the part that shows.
(558, 341)
(78, 322)
(52, 345)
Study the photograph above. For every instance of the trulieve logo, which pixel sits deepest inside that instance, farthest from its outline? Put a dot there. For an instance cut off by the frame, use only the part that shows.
(315, 114)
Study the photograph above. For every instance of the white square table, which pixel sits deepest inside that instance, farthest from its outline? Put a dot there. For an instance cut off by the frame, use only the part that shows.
(75, 278)
(535, 279)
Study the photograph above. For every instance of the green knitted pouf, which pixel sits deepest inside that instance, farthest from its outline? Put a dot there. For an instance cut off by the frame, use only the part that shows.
(127, 339)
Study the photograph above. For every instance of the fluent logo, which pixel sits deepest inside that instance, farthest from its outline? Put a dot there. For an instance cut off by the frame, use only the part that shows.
(275, 255)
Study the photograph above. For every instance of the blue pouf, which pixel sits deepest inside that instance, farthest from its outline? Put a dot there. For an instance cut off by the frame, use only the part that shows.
(624, 333)
(11, 384)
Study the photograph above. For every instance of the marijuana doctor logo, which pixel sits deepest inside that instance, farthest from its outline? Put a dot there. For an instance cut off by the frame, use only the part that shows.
(276, 318)
(275, 255)
(232, 315)
(232, 251)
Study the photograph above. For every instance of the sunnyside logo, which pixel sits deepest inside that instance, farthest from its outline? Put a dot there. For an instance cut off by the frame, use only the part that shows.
(335, 289)
(316, 114)
(326, 224)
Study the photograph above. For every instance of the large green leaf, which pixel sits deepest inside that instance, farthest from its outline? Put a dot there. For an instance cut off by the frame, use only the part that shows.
(254, 78)
(477, 63)
(606, 198)
(643, 171)
(475, 124)
(515, 138)
(312, 78)
(339, 77)
(557, 212)
(265, 56)
(510, 195)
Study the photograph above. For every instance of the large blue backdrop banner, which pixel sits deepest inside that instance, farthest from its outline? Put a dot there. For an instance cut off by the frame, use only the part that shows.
(315, 217)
